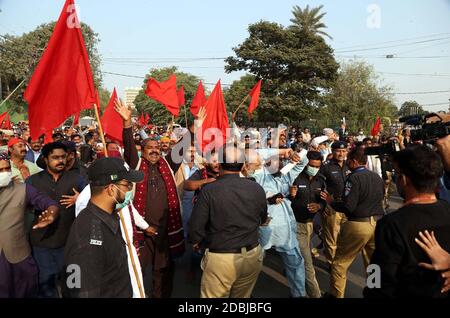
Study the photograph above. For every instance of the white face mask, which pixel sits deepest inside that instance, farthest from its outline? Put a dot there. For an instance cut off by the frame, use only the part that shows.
(5, 179)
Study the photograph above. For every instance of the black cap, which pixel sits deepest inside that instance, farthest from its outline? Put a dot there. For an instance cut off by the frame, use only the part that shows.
(339, 145)
(105, 171)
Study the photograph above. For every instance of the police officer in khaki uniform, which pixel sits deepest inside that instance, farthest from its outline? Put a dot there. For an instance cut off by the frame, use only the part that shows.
(335, 173)
(362, 205)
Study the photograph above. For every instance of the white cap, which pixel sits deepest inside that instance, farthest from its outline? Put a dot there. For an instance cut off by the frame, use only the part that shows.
(327, 131)
(318, 140)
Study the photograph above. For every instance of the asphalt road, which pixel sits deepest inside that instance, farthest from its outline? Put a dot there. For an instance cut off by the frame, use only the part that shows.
(271, 283)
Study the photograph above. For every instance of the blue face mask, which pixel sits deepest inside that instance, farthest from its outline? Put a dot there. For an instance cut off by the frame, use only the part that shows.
(126, 202)
(311, 171)
(139, 154)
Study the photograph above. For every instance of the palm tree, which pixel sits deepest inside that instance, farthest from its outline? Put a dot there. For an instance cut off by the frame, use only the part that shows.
(309, 20)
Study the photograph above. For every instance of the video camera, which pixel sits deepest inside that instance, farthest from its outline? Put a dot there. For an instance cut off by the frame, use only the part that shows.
(384, 150)
(428, 132)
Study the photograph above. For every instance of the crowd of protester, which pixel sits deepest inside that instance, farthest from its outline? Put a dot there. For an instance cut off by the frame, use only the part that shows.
(70, 206)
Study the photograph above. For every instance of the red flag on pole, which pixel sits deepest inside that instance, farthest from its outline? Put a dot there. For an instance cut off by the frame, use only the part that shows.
(199, 99)
(111, 121)
(376, 128)
(141, 120)
(7, 122)
(165, 93)
(62, 83)
(147, 119)
(254, 94)
(181, 100)
(2, 118)
(216, 117)
(97, 102)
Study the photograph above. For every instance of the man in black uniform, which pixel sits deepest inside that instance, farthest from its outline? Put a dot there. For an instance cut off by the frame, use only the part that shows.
(95, 245)
(306, 202)
(335, 173)
(362, 204)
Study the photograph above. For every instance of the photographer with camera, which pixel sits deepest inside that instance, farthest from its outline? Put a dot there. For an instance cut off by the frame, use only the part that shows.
(419, 170)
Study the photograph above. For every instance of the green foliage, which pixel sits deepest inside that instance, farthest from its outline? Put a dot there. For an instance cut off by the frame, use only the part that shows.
(358, 96)
(410, 108)
(236, 93)
(20, 55)
(158, 113)
(309, 20)
(297, 68)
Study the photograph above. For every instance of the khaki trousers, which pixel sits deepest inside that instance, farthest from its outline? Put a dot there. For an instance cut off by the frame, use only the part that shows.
(331, 226)
(227, 275)
(304, 233)
(354, 237)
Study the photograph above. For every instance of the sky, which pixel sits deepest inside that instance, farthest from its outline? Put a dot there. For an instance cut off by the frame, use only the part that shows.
(138, 35)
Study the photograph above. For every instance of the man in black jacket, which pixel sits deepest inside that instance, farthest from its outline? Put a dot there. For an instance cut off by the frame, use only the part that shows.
(306, 203)
(63, 187)
(397, 255)
(362, 205)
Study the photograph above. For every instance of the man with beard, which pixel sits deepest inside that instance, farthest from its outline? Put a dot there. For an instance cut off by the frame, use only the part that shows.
(48, 244)
(157, 200)
(204, 176)
(165, 146)
(281, 231)
(35, 150)
(21, 168)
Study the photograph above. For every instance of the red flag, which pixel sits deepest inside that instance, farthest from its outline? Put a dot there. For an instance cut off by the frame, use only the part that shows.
(111, 120)
(376, 128)
(254, 94)
(165, 93)
(216, 117)
(62, 83)
(181, 100)
(3, 117)
(7, 123)
(141, 120)
(199, 99)
(76, 120)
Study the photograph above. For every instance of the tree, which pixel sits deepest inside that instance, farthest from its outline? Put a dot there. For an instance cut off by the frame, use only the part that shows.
(158, 113)
(309, 20)
(236, 93)
(297, 68)
(358, 96)
(410, 108)
(19, 56)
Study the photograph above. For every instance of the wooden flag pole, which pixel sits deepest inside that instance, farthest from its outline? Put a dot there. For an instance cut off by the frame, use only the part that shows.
(171, 125)
(130, 251)
(242, 104)
(101, 130)
(12, 93)
(185, 116)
